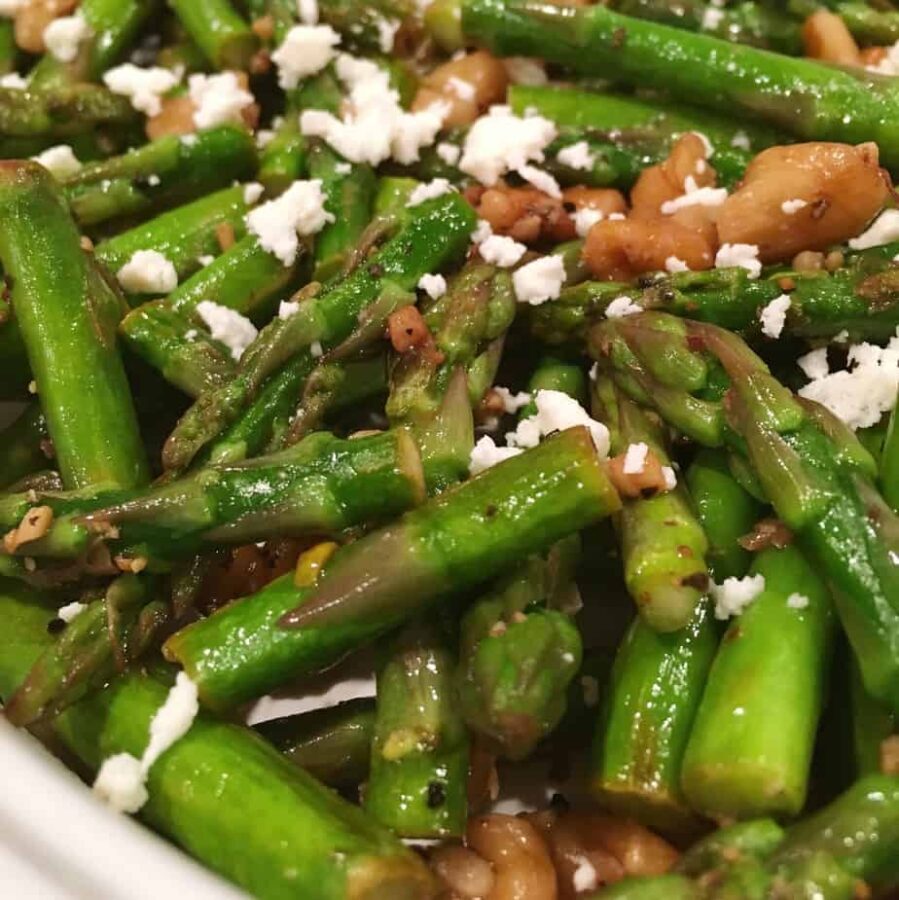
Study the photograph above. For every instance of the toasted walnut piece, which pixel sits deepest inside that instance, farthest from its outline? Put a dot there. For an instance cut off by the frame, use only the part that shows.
(665, 181)
(264, 27)
(224, 234)
(35, 524)
(872, 56)
(842, 186)
(767, 533)
(132, 564)
(469, 85)
(34, 17)
(606, 200)
(826, 37)
(646, 483)
(525, 214)
(176, 116)
(619, 250)
(808, 261)
(467, 875)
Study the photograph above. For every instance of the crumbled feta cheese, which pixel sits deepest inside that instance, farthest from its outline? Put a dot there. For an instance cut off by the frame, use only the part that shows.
(13, 81)
(429, 190)
(235, 331)
(374, 126)
(797, 601)
(863, 392)
(635, 458)
(154, 180)
(593, 374)
(741, 141)
(71, 610)
(502, 251)
(884, 230)
(252, 192)
(814, 363)
(556, 411)
(9, 8)
(121, 781)
(585, 218)
(501, 142)
(288, 308)
(622, 306)
(433, 285)
(525, 70)
(694, 196)
(735, 594)
(299, 211)
(148, 272)
(791, 207)
(217, 99)
(316, 350)
(387, 29)
(449, 153)
(576, 156)
(584, 877)
(541, 180)
(264, 137)
(189, 140)
(675, 264)
(540, 280)
(307, 10)
(481, 232)
(743, 256)
(305, 50)
(512, 402)
(143, 87)
(191, 334)
(63, 36)
(486, 454)
(711, 18)
(60, 161)
(774, 316)
(841, 337)
(463, 89)
(670, 477)
(207, 259)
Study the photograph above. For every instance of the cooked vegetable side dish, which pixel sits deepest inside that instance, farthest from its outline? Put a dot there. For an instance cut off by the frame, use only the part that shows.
(451, 448)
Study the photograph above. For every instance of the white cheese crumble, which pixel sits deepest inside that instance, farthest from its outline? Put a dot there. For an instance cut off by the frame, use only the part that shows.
(235, 331)
(63, 36)
(429, 191)
(374, 126)
(743, 256)
(694, 196)
(148, 272)
(675, 264)
(387, 29)
(252, 191)
(501, 142)
(539, 281)
(121, 781)
(288, 308)
(577, 156)
(712, 17)
(541, 180)
(622, 306)
(814, 363)
(71, 611)
(60, 161)
(797, 601)
(584, 877)
(217, 99)
(299, 211)
(860, 394)
(774, 316)
(670, 477)
(884, 230)
(207, 259)
(305, 50)
(635, 458)
(512, 402)
(316, 350)
(741, 141)
(433, 285)
(481, 232)
(556, 411)
(735, 594)
(791, 207)
(525, 70)
(143, 87)
(307, 10)
(502, 251)
(585, 218)
(486, 454)
(13, 81)
(343, 168)
(449, 153)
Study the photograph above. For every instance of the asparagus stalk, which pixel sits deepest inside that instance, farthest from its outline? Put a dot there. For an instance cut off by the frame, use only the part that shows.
(751, 744)
(756, 839)
(218, 30)
(66, 311)
(859, 298)
(333, 744)
(419, 751)
(24, 446)
(872, 723)
(808, 99)
(452, 542)
(160, 174)
(869, 25)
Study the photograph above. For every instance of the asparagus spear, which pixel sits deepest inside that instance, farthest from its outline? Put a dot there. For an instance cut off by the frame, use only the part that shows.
(751, 744)
(218, 30)
(160, 174)
(859, 298)
(333, 744)
(435, 234)
(452, 542)
(519, 653)
(872, 723)
(868, 24)
(24, 446)
(66, 311)
(808, 99)
(755, 839)
(419, 751)
(181, 235)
